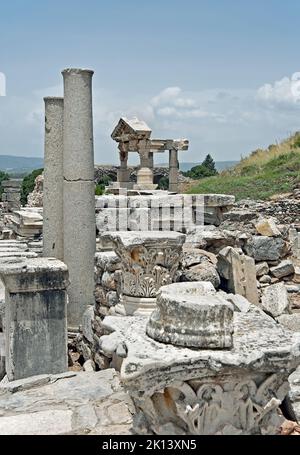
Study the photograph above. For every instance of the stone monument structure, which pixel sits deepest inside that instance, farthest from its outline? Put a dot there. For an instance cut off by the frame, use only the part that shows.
(134, 136)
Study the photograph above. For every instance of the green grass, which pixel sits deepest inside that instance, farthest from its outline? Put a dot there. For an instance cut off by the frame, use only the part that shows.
(256, 181)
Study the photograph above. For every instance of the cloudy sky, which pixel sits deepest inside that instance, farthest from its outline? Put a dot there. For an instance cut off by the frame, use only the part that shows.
(222, 73)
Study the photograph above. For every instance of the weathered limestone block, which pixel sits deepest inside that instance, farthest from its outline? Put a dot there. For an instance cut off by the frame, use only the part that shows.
(35, 313)
(296, 277)
(202, 272)
(238, 301)
(265, 279)
(193, 256)
(87, 319)
(294, 239)
(107, 261)
(149, 260)
(186, 317)
(108, 281)
(290, 321)
(180, 391)
(275, 300)
(239, 272)
(26, 222)
(263, 248)
(212, 239)
(267, 227)
(285, 268)
(2, 355)
(262, 268)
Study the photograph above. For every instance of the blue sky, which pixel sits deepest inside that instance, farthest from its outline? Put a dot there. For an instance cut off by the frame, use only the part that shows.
(219, 72)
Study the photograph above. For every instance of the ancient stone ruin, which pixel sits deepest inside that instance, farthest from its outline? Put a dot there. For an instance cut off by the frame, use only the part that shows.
(168, 313)
(134, 136)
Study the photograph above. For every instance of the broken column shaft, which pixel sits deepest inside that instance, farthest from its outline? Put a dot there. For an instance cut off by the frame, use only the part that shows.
(173, 170)
(53, 179)
(79, 192)
(35, 316)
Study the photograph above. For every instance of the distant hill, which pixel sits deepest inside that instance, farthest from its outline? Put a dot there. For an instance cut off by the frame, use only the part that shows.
(220, 165)
(19, 164)
(23, 164)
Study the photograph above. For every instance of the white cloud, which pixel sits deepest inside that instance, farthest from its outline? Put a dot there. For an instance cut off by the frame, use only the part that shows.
(172, 102)
(168, 95)
(225, 123)
(286, 91)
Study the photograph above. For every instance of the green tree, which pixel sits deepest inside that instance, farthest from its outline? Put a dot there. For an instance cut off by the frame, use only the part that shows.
(206, 169)
(28, 184)
(101, 184)
(210, 164)
(163, 183)
(3, 176)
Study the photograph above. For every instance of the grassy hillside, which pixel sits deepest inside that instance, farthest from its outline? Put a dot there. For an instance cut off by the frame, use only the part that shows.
(262, 174)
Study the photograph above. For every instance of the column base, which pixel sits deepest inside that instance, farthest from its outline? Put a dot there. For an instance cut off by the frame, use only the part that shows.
(138, 306)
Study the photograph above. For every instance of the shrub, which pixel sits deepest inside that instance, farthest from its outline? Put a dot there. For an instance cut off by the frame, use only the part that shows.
(163, 183)
(206, 169)
(3, 176)
(28, 184)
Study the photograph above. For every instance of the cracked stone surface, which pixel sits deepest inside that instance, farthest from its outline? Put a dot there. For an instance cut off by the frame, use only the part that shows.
(69, 403)
(259, 344)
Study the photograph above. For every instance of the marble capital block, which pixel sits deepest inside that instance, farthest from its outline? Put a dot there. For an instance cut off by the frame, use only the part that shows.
(188, 391)
(149, 260)
(35, 316)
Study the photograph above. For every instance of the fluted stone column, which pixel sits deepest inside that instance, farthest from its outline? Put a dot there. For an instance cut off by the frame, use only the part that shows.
(79, 192)
(53, 179)
(173, 170)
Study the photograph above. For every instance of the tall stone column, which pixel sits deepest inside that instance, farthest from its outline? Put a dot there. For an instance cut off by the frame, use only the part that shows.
(173, 170)
(79, 192)
(123, 173)
(53, 179)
